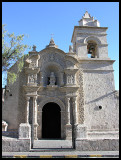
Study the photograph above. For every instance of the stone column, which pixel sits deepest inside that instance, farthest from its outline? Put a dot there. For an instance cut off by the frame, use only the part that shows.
(40, 125)
(68, 125)
(75, 110)
(68, 110)
(35, 124)
(27, 109)
(61, 79)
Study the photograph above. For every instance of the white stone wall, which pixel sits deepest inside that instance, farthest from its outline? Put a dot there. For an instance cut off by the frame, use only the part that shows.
(99, 90)
(14, 107)
(10, 106)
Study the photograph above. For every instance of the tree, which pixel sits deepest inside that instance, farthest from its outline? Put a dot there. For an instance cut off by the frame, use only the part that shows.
(12, 52)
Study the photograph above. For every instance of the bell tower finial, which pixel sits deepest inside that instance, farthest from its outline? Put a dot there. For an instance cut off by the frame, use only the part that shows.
(87, 15)
(88, 20)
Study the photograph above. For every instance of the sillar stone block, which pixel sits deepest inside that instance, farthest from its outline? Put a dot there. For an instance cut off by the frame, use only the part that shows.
(68, 132)
(24, 131)
(80, 132)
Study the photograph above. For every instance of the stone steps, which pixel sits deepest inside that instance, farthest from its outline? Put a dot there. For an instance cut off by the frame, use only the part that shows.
(52, 150)
(52, 144)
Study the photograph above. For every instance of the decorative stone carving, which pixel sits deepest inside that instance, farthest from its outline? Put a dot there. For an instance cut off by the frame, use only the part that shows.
(33, 64)
(55, 57)
(70, 79)
(32, 78)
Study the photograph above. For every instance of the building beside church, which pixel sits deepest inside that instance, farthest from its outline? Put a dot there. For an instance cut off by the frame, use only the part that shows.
(69, 97)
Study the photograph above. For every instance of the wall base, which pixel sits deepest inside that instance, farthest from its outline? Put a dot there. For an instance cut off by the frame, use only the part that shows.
(16, 145)
(97, 145)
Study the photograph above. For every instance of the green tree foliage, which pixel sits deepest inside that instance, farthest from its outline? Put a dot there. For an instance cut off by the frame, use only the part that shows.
(12, 52)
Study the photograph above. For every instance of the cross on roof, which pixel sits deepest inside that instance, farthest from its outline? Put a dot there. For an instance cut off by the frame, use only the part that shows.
(52, 35)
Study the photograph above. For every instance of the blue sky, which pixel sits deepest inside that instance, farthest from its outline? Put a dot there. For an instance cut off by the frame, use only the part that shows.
(40, 19)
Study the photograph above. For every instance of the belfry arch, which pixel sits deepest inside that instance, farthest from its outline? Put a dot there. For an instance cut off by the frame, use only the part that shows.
(93, 38)
(92, 46)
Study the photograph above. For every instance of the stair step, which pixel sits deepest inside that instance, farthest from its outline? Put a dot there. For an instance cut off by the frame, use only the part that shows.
(51, 149)
(52, 144)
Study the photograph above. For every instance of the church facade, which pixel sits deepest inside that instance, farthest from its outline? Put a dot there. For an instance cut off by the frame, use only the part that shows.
(62, 96)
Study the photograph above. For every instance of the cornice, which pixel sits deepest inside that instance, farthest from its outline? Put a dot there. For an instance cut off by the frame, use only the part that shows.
(87, 27)
(31, 70)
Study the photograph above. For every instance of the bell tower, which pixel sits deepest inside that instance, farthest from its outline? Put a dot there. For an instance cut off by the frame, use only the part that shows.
(89, 39)
(90, 46)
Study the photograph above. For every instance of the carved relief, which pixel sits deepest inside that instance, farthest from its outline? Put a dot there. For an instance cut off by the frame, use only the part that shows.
(32, 78)
(33, 63)
(52, 57)
(70, 79)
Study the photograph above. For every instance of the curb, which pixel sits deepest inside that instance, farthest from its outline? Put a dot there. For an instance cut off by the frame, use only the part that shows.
(65, 156)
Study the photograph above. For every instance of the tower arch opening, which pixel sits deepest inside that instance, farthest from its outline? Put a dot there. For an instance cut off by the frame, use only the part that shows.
(92, 49)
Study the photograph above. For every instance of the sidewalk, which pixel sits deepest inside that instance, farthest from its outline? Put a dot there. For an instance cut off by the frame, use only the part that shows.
(62, 154)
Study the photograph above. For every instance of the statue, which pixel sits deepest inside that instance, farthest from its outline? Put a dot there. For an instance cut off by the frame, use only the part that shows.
(52, 79)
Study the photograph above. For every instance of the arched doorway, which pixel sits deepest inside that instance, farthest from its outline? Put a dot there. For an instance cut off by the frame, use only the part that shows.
(51, 121)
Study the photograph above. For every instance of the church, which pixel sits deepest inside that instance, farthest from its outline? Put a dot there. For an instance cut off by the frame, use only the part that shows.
(64, 100)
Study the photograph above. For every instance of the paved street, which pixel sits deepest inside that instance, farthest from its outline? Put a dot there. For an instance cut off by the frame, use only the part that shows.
(62, 154)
